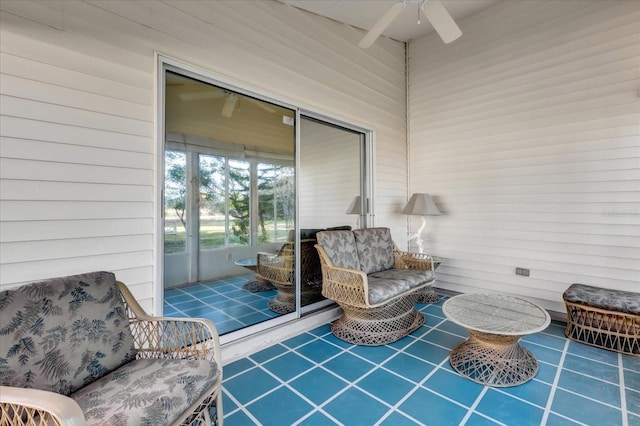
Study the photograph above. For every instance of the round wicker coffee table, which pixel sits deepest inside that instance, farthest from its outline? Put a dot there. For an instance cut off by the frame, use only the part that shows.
(496, 322)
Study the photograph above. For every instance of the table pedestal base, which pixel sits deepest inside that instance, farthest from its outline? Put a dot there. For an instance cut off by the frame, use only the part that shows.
(494, 360)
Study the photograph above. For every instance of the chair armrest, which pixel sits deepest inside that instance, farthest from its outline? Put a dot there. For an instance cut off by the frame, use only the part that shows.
(38, 407)
(349, 286)
(176, 338)
(409, 260)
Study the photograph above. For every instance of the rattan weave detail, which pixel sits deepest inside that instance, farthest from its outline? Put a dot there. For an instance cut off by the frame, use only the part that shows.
(279, 269)
(494, 360)
(616, 331)
(424, 262)
(21, 415)
(378, 326)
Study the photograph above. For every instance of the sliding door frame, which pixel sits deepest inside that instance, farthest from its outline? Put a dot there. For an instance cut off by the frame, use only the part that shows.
(163, 64)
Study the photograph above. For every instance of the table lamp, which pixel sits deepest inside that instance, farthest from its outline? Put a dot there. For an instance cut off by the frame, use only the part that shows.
(355, 208)
(420, 205)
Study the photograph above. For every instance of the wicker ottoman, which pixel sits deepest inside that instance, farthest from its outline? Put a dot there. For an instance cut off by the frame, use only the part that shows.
(608, 319)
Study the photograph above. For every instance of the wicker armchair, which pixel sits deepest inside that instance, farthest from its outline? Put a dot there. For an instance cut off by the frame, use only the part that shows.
(375, 284)
(170, 373)
(279, 269)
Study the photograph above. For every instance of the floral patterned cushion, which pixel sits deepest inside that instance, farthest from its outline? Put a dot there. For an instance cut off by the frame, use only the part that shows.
(384, 285)
(340, 247)
(383, 289)
(602, 298)
(375, 249)
(146, 392)
(40, 323)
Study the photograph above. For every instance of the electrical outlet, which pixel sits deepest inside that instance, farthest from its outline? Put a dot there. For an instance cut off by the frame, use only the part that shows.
(522, 271)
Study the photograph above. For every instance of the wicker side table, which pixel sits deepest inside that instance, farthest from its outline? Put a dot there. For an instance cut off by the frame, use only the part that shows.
(492, 355)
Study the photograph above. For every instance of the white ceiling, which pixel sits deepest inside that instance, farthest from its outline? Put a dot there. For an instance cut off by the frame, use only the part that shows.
(364, 13)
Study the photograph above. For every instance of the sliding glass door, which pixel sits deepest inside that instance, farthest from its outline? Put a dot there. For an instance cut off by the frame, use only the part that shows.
(246, 185)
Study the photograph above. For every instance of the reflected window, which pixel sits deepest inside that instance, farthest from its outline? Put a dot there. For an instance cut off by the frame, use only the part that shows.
(175, 192)
(276, 202)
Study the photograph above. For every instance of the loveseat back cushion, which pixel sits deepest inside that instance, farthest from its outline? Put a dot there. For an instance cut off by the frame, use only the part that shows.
(340, 247)
(146, 392)
(375, 249)
(63, 333)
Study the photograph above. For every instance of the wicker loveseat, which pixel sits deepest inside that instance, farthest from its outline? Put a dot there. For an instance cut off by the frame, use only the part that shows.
(375, 284)
(80, 350)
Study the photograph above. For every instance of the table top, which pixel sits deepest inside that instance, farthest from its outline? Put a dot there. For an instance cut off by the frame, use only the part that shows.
(249, 262)
(496, 314)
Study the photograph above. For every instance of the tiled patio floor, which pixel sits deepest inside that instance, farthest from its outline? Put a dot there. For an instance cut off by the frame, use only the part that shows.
(316, 379)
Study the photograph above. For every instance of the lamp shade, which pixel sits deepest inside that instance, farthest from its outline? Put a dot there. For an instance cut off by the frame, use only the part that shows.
(421, 205)
(355, 206)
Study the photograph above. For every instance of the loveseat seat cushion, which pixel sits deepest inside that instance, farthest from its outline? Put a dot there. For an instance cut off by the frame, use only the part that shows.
(63, 333)
(375, 249)
(146, 392)
(340, 248)
(384, 285)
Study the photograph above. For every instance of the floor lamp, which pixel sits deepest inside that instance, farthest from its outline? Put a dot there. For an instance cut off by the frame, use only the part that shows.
(420, 205)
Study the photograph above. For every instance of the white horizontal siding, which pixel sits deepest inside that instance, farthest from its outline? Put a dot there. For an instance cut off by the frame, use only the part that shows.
(77, 116)
(527, 132)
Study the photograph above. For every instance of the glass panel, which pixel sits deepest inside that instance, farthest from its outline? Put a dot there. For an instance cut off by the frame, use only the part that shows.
(330, 179)
(212, 205)
(175, 191)
(230, 182)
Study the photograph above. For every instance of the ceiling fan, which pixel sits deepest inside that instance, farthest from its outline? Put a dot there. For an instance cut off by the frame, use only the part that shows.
(435, 12)
(230, 102)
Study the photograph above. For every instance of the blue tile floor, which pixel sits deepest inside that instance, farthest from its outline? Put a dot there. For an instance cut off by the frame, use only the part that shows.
(223, 301)
(317, 379)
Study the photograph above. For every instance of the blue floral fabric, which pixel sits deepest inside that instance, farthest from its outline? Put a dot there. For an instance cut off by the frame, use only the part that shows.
(602, 298)
(64, 333)
(146, 392)
(340, 247)
(375, 249)
(384, 285)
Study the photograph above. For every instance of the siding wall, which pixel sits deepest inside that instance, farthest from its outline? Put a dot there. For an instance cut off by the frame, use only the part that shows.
(77, 116)
(526, 131)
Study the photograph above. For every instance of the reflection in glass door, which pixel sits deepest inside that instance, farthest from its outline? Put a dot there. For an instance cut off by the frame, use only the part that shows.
(332, 178)
(229, 194)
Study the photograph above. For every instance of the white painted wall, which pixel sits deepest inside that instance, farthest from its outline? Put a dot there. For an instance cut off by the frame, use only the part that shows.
(526, 131)
(77, 116)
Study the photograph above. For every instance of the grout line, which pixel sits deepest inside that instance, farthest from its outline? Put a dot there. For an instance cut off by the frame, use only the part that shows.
(623, 397)
(473, 407)
(554, 386)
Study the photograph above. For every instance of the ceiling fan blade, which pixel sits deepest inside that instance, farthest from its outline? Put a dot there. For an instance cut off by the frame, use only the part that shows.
(201, 96)
(443, 23)
(265, 106)
(382, 24)
(229, 105)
